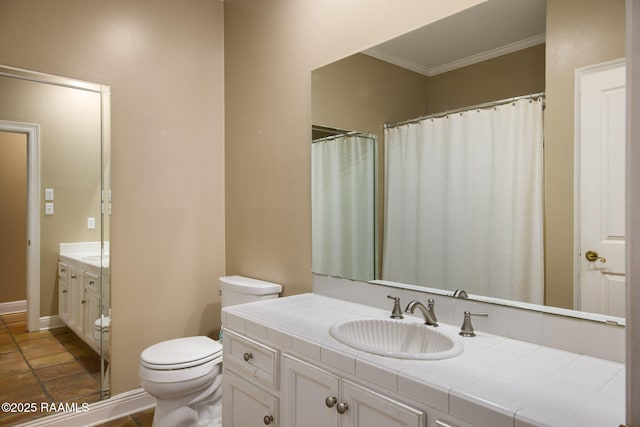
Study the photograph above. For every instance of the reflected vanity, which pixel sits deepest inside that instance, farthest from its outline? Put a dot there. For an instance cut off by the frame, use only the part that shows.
(395, 82)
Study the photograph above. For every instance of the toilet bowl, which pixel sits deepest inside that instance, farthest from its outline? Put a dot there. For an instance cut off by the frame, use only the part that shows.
(185, 374)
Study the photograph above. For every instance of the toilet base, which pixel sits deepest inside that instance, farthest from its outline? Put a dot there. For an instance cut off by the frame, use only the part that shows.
(201, 407)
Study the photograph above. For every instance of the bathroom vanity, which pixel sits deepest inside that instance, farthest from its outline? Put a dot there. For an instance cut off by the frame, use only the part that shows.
(79, 279)
(283, 368)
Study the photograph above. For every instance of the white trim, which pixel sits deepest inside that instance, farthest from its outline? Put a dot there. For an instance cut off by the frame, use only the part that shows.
(33, 217)
(50, 322)
(458, 63)
(13, 306)
(117, 406)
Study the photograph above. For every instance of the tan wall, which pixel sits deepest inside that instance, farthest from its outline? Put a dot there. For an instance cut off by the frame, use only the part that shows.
(164, 62)
(579, 33)
(13, 217)
(514, 74)
(69, 121)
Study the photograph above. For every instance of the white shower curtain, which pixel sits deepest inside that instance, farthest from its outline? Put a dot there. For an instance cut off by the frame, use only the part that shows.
(464, 202)
(342, 181)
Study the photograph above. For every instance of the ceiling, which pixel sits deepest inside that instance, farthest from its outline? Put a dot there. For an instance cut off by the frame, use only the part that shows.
(484, 31)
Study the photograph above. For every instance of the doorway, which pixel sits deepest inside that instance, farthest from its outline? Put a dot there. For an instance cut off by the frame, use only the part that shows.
(600, 207)
(31, 244)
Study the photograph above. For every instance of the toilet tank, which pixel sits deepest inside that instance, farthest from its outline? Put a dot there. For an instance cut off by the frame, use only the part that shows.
(240, 290)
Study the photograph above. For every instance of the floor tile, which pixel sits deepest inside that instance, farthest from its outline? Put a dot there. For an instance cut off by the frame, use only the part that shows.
(60, 370)
(68, 387)
(34, 352)
(51, 366)
(51, 360)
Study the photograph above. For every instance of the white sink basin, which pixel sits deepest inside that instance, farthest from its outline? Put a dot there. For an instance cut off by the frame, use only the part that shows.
(397, 338)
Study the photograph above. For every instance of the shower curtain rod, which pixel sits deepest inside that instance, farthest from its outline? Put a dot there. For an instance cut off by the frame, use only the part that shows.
(463, 109)
(351, 133)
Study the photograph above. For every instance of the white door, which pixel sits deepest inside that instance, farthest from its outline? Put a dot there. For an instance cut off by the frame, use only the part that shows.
(311, 395)
(600, 132)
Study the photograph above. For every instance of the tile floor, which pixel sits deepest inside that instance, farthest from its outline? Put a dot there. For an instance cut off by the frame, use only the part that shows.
(52, 366)
(141, 419)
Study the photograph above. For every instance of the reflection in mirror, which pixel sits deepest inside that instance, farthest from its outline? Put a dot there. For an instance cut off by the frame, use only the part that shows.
(343, 206)
(54, 298)
(494, 51)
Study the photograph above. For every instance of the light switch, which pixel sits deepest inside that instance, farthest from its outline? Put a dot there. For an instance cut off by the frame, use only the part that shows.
(91, 223)
(48, 194)
(48, 208)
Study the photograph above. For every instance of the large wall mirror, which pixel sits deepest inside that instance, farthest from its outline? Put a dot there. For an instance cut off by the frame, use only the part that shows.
(55, 204)
(485, 176)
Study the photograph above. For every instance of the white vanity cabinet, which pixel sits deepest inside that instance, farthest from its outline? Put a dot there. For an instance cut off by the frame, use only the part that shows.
(250, 383)
(308, 395)
(315, 397)
(79, 298)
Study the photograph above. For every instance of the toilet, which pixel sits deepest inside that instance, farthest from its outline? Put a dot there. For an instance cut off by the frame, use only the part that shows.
(185, 374)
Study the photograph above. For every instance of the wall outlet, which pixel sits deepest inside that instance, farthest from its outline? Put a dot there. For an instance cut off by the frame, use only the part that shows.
(48, 208)
(48, 194)
(91, 223)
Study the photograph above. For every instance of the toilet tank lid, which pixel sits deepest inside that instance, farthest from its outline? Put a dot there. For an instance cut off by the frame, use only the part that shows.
(247, 285)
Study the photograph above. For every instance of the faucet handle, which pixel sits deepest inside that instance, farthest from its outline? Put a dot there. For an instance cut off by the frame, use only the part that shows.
(467, 328)
(396, 313)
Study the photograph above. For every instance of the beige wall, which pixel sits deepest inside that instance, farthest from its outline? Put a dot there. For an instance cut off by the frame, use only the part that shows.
(13, 216)
(270, 50)
(164, 62)
(515, 74)
(579, 33)
(69, 150)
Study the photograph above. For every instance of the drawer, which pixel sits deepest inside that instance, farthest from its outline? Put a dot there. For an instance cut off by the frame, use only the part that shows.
(251, 358)
(63, 271)
(91, 282)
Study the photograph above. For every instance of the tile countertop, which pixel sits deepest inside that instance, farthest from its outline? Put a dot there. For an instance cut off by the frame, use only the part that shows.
(496, 382)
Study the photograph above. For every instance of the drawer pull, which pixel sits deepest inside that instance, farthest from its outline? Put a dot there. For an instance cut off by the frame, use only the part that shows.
(330, 401)
(84, 301)
(64, 291)
(248, 356)
(63, 270)
(268, 419)
(73, 276)
(91, 282)
(342, 407)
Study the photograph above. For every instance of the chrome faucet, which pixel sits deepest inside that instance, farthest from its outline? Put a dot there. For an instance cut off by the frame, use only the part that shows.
(429, 318)
(460, 293)
(396, 313)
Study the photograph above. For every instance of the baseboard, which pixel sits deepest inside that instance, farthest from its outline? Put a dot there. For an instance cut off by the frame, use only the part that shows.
(13, 306)
(50, 322)
(115, 407)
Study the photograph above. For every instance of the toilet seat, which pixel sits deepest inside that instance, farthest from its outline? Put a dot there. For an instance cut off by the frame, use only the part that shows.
(181, 353)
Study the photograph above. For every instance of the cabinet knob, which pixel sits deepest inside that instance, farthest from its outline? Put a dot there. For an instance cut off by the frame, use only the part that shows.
(342, 407)
(247, 356)
(83, 301)
(64, 291)
(91, 282)
(330, 401)
(268, 419)
(73, 276)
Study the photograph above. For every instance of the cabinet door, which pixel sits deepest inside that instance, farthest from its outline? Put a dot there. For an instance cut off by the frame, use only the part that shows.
(369, 409)
(245, 405)
(306, 389)
(91, 307)
(76, 293)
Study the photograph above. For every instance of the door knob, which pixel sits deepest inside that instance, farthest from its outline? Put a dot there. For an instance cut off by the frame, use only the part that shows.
(593, 256)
